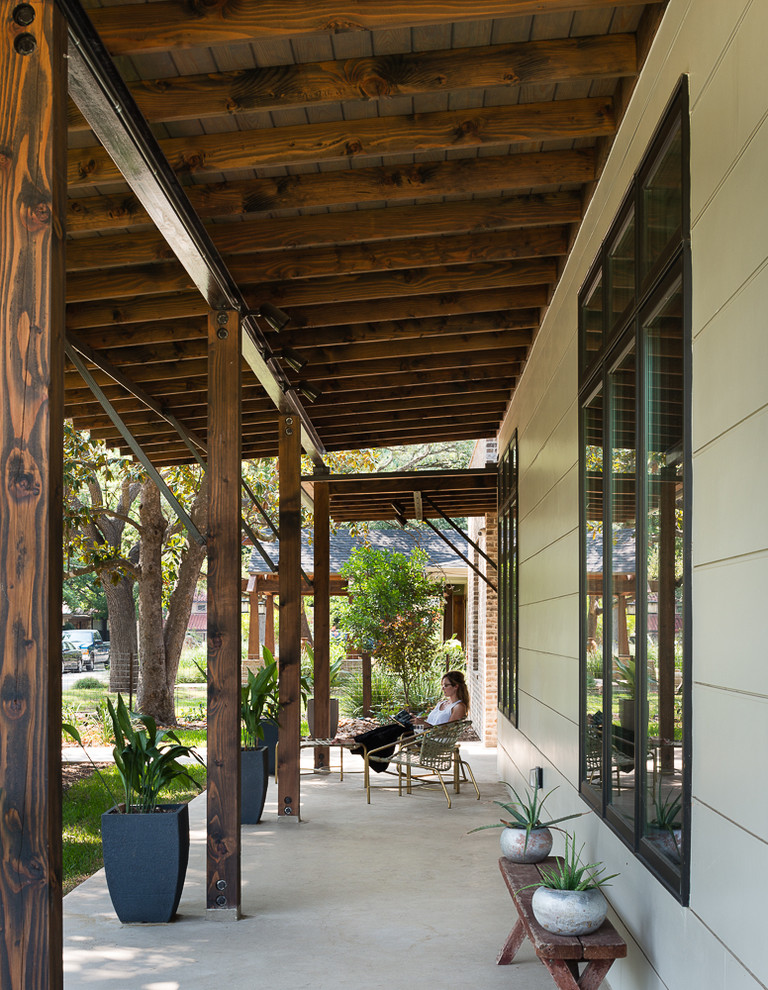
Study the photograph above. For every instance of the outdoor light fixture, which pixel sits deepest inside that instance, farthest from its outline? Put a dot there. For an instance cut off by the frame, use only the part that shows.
(292, 358)
(275, 317)
(310, 392)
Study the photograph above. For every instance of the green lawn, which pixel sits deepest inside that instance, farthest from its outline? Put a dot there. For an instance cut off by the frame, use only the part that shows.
(83, 804)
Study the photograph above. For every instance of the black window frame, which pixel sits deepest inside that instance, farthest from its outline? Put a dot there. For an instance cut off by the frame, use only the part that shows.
(508, 575)
(619, 334)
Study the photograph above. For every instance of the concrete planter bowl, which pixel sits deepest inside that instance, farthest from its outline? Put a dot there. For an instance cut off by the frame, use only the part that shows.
(514, 846)
(569, 912)
(145, 861)
(254, 778)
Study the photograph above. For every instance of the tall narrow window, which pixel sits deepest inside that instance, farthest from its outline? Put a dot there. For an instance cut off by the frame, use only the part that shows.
(508, 638)
(635, 477)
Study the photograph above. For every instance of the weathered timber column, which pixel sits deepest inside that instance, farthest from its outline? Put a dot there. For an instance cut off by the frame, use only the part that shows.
(322, 583)
(290, 616)
(367, 687)
(269, 624)
(224, 357)
(254, 649)
(33, 90)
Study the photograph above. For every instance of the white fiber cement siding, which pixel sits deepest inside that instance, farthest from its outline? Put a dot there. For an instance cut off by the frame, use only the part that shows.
(715, 943)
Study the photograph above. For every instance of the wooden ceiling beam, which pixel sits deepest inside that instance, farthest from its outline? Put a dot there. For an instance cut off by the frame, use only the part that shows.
(427, 403)
(348, 186)
(414, 347)
(460, 377)
(398, 330)
(329, 229)
(348, 259)
(377, 439)
(411, 366)
(185, 305)
(405, 350)
(380, 78)
(171, 24)
(417, 281)
(340, 141)
(420, 307)
(485, 423)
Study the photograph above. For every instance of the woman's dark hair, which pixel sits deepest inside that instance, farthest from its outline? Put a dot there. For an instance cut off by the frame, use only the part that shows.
(456, 678)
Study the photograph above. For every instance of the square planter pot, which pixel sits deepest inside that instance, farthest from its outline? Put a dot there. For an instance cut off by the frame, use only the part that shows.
(334, 712)
(145, 861)
(270, 741)
(254, 777)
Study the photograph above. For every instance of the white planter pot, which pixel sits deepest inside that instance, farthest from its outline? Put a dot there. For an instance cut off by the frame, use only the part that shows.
(569, 912)
(513, 845)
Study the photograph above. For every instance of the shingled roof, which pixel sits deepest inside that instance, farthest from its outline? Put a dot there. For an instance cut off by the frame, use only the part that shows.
(343, 543)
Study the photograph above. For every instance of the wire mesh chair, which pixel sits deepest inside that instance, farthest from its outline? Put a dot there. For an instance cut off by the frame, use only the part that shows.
(425, 757)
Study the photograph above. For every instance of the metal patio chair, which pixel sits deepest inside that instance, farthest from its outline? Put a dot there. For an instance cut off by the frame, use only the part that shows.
(424, 759)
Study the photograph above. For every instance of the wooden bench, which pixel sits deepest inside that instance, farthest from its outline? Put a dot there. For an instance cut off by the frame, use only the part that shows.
(561, 954)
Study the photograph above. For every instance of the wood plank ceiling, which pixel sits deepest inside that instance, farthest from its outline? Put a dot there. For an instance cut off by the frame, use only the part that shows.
(404, 180)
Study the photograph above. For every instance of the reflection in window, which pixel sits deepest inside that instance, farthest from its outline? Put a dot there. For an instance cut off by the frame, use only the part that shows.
(635, 476)
(592, 323)
(507, 597)
(664, 572)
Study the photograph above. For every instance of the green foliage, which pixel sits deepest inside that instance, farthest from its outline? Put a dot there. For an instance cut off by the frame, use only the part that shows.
(386, 694)
(394, 611)
(526, 812)
(146, 759)
(82, 806)
(667, 808)
(259, 700)
(571, 874)
(336, 671)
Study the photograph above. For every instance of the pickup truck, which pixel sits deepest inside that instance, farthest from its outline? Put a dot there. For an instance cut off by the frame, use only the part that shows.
(93, 648)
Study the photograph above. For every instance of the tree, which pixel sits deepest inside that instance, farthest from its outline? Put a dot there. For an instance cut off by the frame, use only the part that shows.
(394, 611)
(115, 527)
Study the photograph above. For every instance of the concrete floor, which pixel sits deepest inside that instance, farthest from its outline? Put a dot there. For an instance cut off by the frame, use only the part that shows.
(394, 894)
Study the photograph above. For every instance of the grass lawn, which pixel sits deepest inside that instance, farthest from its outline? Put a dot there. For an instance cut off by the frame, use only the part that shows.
(83, 804)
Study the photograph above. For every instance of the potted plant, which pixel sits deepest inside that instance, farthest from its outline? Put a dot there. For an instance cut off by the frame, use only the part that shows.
(145, 843)
(665, 828)
(525, 838)
(308, 684)
(257, 697)
(569, 899)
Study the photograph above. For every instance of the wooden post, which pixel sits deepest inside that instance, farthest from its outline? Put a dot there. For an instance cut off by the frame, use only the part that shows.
(224, 582)
(33, 90)
(290, 616)
(367, 692)
(254, 648)
(322, 583)
(269, 625)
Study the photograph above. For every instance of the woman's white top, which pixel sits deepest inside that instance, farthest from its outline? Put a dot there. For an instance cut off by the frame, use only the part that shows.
(440, 714)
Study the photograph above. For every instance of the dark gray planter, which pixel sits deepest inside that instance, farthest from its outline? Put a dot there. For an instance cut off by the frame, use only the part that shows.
(270, 741)
(334, 726)
(254, 777)
(145, 860)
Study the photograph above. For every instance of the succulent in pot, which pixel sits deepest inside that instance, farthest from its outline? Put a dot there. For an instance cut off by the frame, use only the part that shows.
(665, 828)
(569, 900)
(525, 837)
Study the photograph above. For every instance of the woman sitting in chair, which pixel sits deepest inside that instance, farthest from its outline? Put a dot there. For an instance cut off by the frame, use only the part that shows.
(453, 707)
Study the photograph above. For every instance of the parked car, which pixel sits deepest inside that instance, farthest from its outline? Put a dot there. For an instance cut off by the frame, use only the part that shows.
(92, 647)
(71, 656)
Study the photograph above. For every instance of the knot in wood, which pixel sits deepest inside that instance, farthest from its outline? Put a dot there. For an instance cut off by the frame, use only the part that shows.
(353, 148)
(36, 217)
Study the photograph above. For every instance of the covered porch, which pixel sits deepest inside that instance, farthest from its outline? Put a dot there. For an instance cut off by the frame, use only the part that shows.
(356, 895)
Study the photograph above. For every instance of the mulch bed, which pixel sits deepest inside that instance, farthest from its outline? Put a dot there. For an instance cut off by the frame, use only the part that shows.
(71, 773)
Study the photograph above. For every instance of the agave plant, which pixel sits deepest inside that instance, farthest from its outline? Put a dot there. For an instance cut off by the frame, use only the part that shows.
(667, 809)
(525, 812)
(571, 874)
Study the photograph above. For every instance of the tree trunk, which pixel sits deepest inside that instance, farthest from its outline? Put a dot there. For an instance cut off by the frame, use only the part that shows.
(180, 605)
(154, 698)
(123, 641)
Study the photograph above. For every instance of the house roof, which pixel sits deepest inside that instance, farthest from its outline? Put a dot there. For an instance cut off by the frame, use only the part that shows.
(404, 181)
(343, 543)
